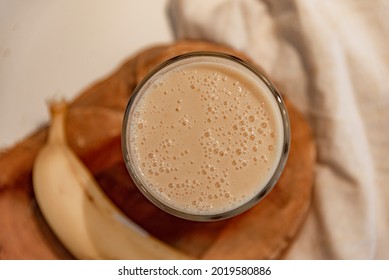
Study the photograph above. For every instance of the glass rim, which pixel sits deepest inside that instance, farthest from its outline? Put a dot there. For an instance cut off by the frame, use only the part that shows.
(248, 204)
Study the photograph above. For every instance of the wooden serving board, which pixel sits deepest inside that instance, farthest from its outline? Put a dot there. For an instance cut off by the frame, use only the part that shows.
(94, 127)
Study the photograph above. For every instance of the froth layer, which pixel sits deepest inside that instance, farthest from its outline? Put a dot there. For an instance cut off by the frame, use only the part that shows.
(206, 137)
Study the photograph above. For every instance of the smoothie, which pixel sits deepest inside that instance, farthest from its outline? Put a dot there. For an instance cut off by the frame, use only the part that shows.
(206, 136)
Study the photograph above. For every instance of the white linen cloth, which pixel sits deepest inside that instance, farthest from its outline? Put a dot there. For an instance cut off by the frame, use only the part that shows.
(332, 59)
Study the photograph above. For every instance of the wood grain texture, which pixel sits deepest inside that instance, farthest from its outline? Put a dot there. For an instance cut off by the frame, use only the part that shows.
(94, 126)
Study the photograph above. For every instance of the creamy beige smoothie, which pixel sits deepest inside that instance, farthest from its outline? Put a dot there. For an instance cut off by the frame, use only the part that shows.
(205, 137)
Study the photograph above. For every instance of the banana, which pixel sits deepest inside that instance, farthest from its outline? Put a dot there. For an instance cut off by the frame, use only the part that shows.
(84, 219)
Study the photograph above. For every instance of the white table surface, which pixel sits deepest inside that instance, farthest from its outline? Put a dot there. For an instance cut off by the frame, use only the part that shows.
(57, 48)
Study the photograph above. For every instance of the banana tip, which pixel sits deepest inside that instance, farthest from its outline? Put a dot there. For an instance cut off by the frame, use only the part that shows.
(57, 106)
